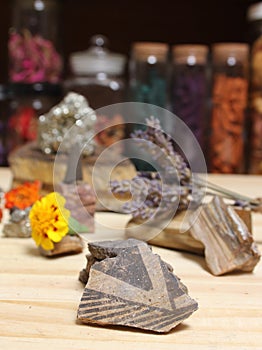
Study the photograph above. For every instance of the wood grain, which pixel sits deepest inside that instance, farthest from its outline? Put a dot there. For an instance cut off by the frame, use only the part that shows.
(39, 297)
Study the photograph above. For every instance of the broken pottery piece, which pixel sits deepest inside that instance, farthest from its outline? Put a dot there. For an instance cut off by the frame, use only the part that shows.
(128, 285)
(228, 243)
(81, 201)
(70, 244)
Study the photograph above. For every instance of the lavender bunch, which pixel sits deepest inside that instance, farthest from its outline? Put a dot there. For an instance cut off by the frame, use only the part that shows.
(159, 146)
(148, 194)
(149, 191)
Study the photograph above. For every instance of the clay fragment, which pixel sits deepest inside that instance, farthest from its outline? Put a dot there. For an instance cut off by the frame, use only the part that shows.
(129, 285)
(70, 244)
(228, 243)
(81, 201)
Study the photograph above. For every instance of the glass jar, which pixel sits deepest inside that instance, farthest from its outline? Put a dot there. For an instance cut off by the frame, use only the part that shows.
(98, 74)
(27, 103)
(229, 104)
(33, 42)
(254, 17)
(3, 125)
(189, 86)
(148, 73)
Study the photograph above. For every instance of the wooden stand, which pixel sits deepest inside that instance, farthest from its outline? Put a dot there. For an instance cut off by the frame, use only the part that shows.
(28, 163)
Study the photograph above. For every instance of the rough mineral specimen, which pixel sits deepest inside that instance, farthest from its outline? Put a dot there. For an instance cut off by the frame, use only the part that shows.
(128, 285)
(72, 113)
(18, 225)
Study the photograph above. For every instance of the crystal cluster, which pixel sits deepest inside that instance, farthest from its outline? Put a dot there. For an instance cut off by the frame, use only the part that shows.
(71, 121)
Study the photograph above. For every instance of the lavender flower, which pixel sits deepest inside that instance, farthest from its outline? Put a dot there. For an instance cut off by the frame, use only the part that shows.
(152, 193)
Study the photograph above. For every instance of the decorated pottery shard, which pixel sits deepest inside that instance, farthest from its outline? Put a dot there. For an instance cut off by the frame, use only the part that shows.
(128, 285)
(228, 244)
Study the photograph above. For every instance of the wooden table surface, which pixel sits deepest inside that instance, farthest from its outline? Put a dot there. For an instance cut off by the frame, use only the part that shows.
(40, 296)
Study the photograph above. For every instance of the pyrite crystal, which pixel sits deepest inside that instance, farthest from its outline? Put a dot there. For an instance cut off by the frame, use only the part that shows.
(53, 126)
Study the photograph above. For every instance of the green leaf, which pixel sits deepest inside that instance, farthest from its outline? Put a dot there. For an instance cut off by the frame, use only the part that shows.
(76, 227)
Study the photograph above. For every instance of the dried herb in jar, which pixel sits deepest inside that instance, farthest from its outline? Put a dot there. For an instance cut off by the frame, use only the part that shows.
(229, 103)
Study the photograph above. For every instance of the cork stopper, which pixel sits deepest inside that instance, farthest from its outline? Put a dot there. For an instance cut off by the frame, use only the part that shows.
(230, 53)
(190, 54)
(254, 12)
(143, 51)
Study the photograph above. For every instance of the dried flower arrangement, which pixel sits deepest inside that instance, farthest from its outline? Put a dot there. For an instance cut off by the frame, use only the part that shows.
(175, 183)
(175, 189)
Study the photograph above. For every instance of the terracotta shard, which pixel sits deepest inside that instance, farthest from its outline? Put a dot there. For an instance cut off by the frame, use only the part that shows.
(131, 286)
(68, 245)
(228, 243)
(81, 201)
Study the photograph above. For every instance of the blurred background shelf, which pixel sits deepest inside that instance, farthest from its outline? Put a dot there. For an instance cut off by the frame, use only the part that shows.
(173, 22)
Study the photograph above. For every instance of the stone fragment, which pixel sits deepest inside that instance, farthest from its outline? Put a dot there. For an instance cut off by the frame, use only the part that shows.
(228, 243)
(129, 285)
(18, 225)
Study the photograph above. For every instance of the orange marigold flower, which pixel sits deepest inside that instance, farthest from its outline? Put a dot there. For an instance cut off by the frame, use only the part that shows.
(23, 196)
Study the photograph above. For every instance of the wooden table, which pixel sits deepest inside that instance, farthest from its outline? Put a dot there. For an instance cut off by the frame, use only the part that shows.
(40, 296)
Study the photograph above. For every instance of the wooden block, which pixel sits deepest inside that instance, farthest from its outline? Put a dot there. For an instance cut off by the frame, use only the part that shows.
(133, 287)
(176, 234)
(28, 163)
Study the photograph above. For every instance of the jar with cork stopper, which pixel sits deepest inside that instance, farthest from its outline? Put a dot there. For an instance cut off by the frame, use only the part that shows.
(229, 106)
(148, 73)
(189, 87)
(254, 18)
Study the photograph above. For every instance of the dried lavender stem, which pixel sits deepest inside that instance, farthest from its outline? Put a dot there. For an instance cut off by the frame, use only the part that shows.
(225, 192)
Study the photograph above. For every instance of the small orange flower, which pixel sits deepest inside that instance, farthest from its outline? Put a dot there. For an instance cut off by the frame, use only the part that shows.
(23, 196)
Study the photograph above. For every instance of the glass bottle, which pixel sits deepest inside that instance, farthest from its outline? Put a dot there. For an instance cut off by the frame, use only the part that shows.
(33, 42)
(3, 125)
(27, 103)
(229, 104)
(98, 74)
(148, 73)
(254, 17)
(189, 86)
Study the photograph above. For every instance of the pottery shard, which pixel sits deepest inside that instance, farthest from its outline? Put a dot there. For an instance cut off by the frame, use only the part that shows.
(228, 243)
(128, 285)
(81, 201)
(68, 245)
